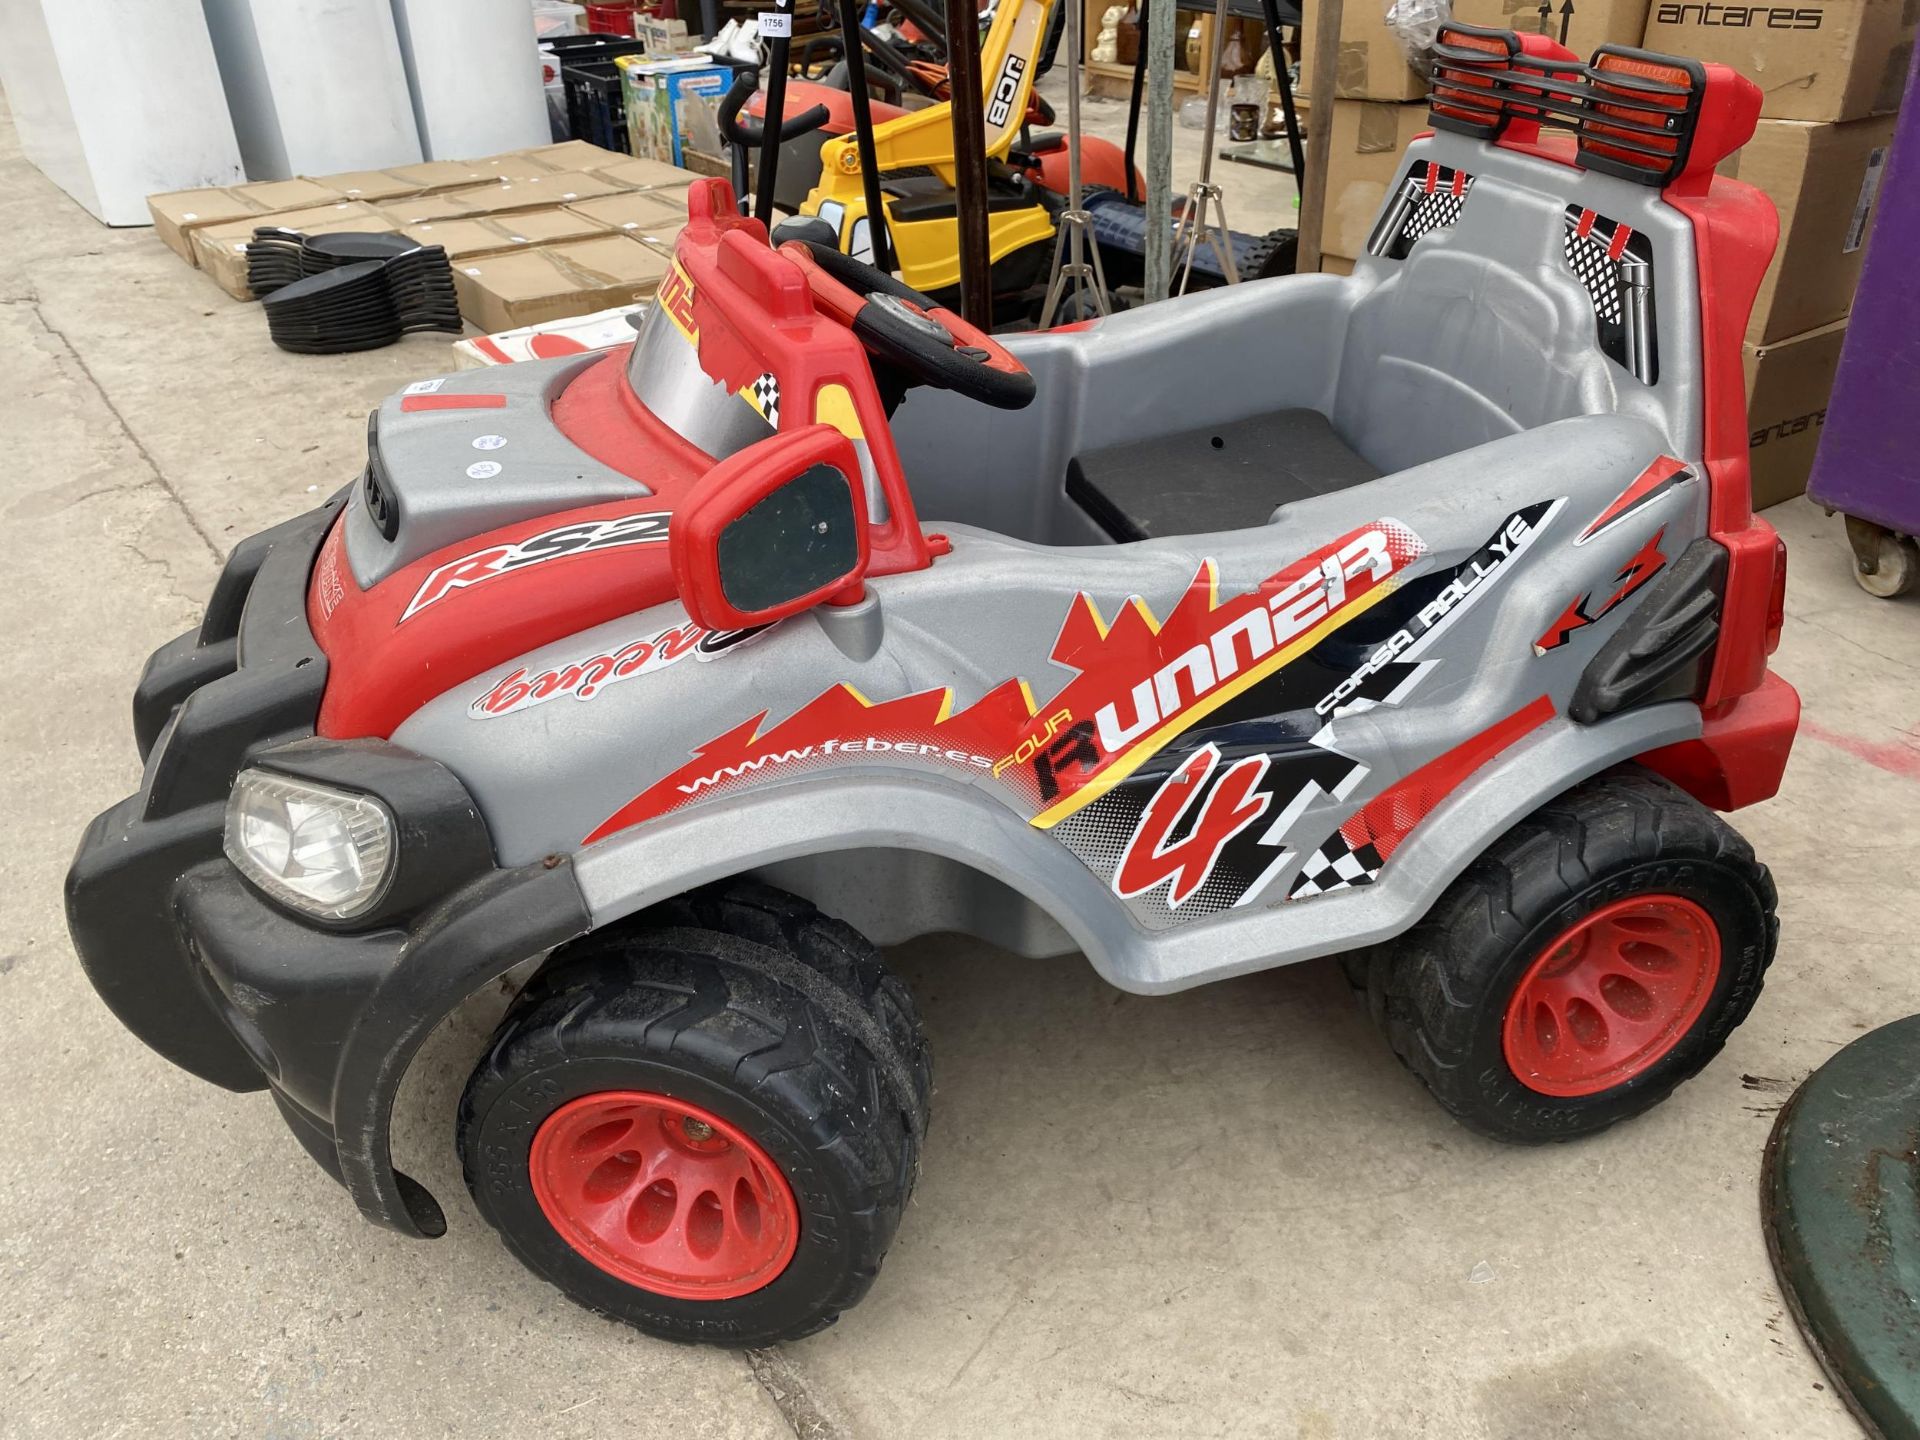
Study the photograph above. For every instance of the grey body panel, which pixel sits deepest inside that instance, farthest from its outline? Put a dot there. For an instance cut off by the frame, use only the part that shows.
(867, 811)
(441, 481)
(1468, 372)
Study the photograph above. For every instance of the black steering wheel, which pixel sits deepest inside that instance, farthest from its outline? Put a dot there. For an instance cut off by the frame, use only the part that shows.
(915, 332)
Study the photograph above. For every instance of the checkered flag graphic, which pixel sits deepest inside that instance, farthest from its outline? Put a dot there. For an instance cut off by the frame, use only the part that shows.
(1587, 258)
(1336, 865)
(766, 391)
(1440, 206)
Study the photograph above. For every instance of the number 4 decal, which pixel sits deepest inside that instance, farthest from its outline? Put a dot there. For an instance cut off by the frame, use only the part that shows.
(1224, 808)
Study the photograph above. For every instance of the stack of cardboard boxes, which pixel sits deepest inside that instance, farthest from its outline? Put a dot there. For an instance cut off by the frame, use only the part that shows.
(1381, 101)
(533, 236)
(1831, 72)
(1379, 105)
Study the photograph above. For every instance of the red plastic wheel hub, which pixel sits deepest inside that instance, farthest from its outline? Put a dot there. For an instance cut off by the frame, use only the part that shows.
(664, 1195)
(1611, 994)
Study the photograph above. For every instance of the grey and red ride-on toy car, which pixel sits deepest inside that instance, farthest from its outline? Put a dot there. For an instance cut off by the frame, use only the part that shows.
(1417, 616)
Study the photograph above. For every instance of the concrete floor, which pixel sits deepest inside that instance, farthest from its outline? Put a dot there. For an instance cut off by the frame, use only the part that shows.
(1227, 1212)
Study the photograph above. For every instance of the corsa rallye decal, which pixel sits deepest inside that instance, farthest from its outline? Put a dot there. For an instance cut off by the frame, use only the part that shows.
(649, 528)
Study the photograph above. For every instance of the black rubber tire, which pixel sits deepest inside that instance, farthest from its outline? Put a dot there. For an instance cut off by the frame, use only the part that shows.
(749, 1002)
(1279, 254)
(1440, 991)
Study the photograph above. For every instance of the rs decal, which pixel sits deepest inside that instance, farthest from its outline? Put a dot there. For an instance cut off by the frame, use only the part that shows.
(1579, 614)
(649, 528)
(1212, 812)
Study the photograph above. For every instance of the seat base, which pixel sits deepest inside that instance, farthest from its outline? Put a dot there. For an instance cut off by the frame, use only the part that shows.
(1218, 477)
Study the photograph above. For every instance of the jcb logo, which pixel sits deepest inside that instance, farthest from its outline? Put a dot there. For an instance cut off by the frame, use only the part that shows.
(1006, 89)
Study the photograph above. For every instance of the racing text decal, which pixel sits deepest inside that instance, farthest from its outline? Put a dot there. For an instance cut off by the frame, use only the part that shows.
(585, 678)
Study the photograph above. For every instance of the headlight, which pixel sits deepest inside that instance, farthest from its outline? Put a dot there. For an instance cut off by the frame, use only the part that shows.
(324, 851)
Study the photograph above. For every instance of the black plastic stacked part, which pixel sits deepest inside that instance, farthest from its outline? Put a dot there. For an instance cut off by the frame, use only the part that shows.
(332, 294)
(276, 257)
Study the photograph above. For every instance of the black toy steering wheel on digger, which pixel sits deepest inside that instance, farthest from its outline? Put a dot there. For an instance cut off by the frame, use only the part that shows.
(914, 332)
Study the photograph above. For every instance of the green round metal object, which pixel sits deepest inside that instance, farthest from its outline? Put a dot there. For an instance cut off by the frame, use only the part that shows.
(1840, 1200)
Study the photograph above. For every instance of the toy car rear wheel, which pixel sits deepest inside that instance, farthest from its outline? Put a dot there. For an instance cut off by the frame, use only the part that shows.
(706, 1123)
(1598, 955)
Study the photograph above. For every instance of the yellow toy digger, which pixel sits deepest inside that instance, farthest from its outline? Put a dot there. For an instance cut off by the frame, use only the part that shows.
(915, 153)
(1026, 180)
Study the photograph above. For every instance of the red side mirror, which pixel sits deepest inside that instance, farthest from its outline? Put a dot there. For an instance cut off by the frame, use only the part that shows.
(771, 531)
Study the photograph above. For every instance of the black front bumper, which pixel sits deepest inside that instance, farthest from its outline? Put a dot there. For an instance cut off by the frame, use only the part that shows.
(228, 985)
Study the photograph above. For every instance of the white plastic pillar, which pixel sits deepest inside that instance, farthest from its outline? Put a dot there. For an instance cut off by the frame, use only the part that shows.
(115, 112)
(315, 86)
(475, 74)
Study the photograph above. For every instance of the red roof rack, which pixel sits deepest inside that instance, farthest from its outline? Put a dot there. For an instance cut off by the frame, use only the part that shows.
(1655, 119)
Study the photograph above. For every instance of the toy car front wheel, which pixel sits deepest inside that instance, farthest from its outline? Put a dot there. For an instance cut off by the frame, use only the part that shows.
(1599, 954)
(707, 1125)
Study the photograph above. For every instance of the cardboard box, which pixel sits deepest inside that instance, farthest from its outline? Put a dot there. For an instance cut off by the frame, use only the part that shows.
(602, 330)
(438, 176)
(673, 106)
(504, 292)
(491, 234)
(635, 174)
(1788, 383)
(178, 214)
(543, 194)
(1812, 59)
(222, 249)
(1368, 140)
(372, 186)
(665, 37)
(657, 216)
(717, 167)
(1593, 23)
(576, 155)
(1824, 180)
(1371, 64)
(1336, 265)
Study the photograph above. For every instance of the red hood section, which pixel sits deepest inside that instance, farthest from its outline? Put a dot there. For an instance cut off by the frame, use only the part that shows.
(475, 605)
(484, 600)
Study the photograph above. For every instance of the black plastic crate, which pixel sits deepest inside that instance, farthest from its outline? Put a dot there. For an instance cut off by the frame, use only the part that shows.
(596, 105)
(592, 47)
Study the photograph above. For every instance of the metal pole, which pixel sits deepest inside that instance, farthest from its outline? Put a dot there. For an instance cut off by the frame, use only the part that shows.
(1159, 43)
(1313, 191)
(1204, 199)
(776, 26)
(1283, 78)
(863, 134)
(968, 107)
(1214, 52)
(1133, 112)
(1076, 254)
